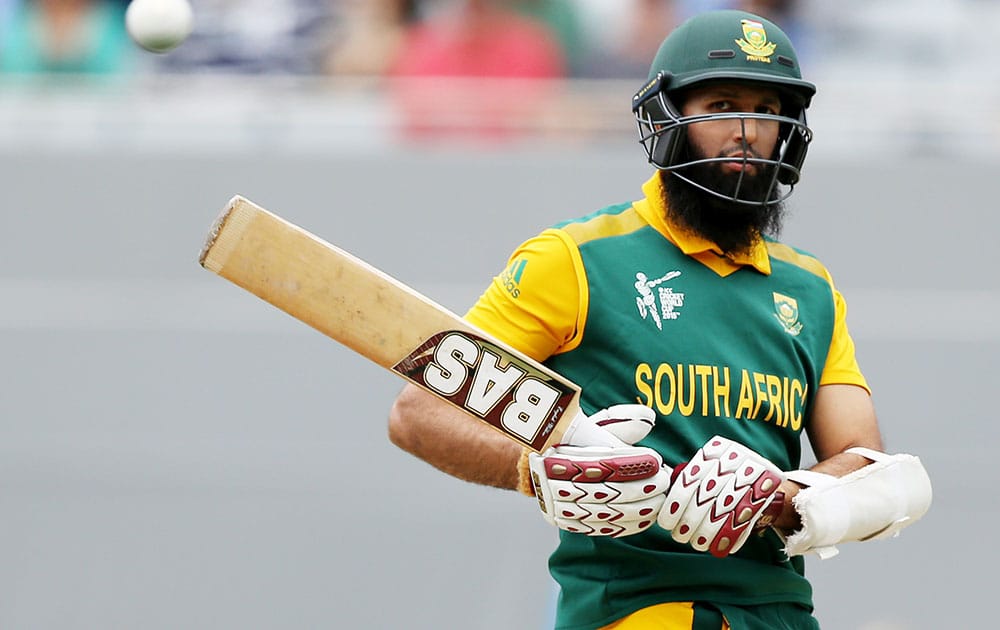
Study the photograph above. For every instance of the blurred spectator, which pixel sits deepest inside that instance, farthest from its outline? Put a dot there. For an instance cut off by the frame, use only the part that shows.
(65, 36)
(624, 36)
(689, 8)
(6, 10)
(368, 36)
(562, 18)
(472, 71)
(774, 10)
(778, 11)
(480, 38)
(254, 37)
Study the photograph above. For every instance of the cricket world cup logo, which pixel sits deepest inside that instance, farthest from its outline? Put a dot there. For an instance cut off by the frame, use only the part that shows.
(656, 301)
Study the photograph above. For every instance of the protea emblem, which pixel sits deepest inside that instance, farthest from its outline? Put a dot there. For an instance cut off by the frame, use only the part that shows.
(786, 309)
(754, 42)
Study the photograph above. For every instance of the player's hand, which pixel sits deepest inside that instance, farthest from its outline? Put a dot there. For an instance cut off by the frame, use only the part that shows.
(598, 483)
(719, 496)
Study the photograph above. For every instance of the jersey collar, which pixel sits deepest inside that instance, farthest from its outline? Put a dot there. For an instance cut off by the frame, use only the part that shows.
(652, 209)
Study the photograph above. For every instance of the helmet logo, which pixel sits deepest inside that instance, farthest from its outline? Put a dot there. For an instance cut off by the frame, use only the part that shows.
(755, 44)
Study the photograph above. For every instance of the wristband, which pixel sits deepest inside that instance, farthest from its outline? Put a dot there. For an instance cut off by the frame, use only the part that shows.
(524, 484)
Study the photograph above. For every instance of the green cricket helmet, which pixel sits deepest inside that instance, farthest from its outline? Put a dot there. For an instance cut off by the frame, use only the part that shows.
(725, 47)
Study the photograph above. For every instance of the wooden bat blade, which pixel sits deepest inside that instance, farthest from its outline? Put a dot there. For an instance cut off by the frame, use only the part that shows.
(390, 323)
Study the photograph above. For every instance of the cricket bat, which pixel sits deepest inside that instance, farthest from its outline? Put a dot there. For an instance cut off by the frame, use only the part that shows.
(389, 323)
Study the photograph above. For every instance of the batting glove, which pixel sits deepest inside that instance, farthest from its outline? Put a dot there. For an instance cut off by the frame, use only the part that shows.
(718, 497)
(598, 483)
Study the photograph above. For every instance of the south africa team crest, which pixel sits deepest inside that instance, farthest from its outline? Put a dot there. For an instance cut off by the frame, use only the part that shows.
(786, 309)
(754, 42)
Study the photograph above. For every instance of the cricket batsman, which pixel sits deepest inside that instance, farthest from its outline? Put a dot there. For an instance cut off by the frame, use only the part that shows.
(705, 348)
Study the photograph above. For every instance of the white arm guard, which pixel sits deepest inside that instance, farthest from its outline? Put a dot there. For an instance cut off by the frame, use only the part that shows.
(873, 502)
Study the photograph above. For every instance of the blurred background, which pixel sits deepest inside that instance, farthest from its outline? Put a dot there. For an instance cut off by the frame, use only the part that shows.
(174, 453)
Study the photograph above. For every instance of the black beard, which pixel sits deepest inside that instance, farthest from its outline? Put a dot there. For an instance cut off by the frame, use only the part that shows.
(733, 226)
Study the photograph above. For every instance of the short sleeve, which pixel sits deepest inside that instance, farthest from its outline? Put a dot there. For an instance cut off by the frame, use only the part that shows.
(534, 304)
(841, 364)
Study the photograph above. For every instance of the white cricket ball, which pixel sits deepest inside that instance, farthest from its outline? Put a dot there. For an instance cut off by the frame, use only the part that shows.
(159, 25)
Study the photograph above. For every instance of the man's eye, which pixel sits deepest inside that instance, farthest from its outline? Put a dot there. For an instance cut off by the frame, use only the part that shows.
(721, 106)
(765, 109)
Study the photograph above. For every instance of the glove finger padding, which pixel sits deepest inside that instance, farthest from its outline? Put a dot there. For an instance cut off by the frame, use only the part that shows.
(620, 520)
(592, 513)
(718, 496)
(600, 491)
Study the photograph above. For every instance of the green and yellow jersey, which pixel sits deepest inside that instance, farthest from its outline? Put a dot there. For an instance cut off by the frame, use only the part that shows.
(634, 309)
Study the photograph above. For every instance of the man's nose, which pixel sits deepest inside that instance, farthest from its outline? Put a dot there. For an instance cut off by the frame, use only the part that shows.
(746, 131)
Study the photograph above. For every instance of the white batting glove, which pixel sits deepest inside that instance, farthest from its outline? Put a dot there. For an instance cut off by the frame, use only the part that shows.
(598, 483)
(719, 496)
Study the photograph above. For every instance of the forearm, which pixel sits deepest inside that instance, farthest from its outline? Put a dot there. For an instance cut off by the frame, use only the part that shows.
(843, 417)
(451, 441)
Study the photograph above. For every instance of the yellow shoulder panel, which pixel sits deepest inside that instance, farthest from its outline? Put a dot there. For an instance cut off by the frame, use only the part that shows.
(604, 225)
(783, 252)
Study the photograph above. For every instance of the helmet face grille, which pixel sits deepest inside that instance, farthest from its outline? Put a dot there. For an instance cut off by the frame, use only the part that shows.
(663, 133)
